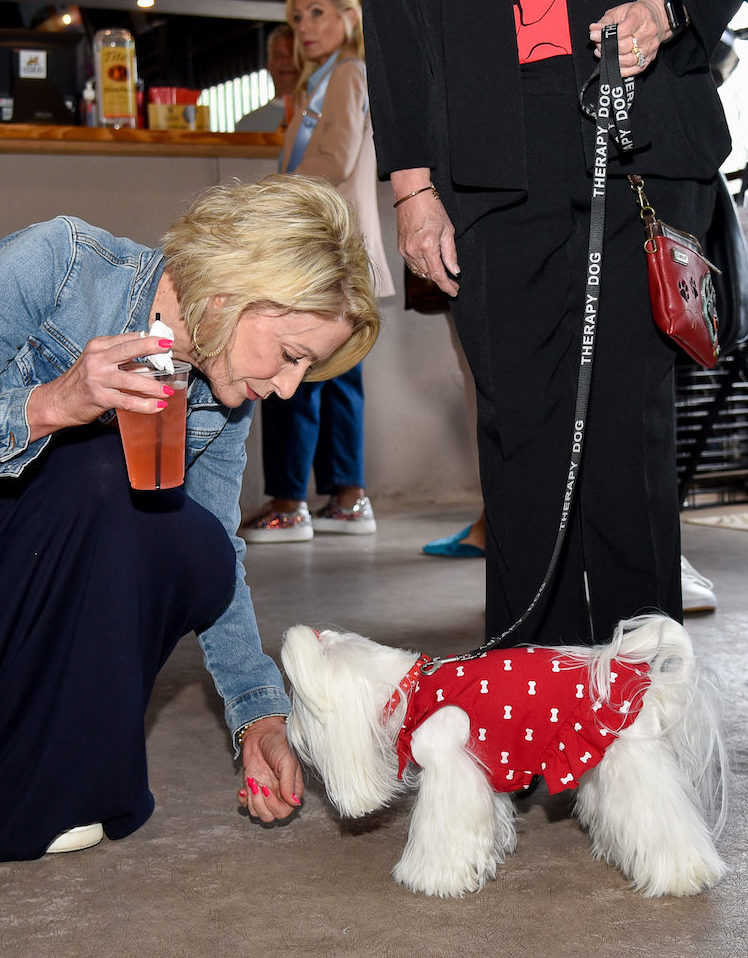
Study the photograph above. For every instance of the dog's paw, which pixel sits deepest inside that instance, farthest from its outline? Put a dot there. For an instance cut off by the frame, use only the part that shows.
(444, 879)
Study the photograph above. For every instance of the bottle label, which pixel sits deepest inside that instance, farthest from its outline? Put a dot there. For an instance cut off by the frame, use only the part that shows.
(117, 83)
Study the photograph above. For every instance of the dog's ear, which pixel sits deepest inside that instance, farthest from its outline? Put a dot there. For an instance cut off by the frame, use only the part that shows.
(302, 658)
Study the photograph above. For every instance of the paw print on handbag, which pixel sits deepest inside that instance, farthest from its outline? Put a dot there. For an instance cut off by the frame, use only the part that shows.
(683, 289)
(694, 287)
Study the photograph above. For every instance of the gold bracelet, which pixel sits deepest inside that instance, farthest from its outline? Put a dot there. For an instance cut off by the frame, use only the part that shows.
(409, 196)
(243, 729)
(241, 732)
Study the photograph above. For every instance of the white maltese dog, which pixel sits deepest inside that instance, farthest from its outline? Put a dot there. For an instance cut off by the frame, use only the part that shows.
(633, 726)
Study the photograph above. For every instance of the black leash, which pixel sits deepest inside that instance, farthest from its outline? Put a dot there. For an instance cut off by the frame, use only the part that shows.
(614, 100)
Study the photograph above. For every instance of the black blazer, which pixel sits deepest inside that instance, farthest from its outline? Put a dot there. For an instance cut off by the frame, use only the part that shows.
(445, 93)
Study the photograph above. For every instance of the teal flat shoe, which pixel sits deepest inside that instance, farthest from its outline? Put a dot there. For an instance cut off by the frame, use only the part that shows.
(453, 547)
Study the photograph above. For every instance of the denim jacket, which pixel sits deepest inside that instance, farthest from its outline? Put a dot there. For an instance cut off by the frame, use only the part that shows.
(64, 282)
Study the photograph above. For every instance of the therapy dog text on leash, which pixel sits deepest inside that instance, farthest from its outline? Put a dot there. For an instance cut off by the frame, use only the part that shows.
(633, 726)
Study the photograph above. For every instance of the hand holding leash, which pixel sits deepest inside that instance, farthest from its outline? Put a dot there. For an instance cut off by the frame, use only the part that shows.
(642, 28)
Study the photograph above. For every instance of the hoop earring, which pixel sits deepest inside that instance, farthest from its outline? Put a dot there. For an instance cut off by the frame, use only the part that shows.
(199, 349)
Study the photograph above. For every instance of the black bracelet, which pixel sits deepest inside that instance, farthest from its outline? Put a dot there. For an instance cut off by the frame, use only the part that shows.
(677, 17)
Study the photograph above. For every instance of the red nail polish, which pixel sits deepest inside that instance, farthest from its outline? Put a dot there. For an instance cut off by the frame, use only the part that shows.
(296, 798)
(265, 791)
(166, 343)
(242, 793)
(162, 404)
(168, 391)
(253, 786)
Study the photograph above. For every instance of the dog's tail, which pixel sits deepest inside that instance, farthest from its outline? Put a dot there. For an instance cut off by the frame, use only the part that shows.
(688, 700)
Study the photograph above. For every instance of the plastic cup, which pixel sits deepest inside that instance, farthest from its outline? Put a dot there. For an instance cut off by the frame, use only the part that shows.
(154, 442)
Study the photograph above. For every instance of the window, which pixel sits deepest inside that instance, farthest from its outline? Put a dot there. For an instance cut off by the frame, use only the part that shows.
(230, 101)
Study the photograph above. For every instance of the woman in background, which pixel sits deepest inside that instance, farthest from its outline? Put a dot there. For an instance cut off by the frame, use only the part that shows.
(330, 135)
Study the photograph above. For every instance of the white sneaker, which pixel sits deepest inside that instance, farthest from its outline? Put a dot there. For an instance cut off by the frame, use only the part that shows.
(357, 521)
(698, 595)
(273, 526)
(76, 839)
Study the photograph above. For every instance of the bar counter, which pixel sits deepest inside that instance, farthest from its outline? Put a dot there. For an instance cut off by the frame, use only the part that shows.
(100, 141)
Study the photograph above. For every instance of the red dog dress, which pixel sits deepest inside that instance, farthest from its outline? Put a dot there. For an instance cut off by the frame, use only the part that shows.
(530, 713)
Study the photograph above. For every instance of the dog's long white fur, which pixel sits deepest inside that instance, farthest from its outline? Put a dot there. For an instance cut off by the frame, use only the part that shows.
(647, 806)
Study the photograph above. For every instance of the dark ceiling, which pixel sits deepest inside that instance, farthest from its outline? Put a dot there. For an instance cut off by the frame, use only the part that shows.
(171, 49)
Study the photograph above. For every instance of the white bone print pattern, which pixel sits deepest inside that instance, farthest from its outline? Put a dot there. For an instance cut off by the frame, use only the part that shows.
(513, 724)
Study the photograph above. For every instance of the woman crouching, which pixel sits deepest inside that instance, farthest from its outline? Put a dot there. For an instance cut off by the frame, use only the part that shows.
(262, 286)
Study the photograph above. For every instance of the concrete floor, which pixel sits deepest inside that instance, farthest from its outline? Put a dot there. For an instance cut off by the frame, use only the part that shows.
(199, 880)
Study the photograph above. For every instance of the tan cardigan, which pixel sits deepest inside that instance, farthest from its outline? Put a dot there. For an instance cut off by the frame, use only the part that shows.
(341, 149)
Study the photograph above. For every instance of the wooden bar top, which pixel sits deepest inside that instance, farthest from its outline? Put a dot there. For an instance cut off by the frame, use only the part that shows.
(94, 140)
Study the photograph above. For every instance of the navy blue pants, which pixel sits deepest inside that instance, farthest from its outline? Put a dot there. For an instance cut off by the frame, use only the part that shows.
(98, 584)
(321, 426)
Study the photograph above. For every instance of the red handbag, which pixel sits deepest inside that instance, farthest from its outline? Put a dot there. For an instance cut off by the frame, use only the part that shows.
(681, 291)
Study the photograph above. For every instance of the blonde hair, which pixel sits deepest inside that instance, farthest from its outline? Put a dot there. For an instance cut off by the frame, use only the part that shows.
(353, 46)
(289, 243)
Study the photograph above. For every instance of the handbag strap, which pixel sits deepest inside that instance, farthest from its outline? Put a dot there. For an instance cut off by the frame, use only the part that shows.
(614, 100)
(311, 114)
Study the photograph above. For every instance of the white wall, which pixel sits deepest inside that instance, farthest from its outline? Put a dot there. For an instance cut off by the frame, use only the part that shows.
(419, 444)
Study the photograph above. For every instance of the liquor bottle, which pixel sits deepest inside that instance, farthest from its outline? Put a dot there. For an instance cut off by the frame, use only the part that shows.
(116, 78)
(89, 114)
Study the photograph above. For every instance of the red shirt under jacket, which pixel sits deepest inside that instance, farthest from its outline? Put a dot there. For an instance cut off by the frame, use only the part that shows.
(542, 29)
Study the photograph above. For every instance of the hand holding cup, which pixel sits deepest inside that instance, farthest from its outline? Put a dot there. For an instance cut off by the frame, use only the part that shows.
(95, 384)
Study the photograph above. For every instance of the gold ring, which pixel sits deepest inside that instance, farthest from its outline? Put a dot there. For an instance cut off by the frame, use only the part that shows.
(635, 48)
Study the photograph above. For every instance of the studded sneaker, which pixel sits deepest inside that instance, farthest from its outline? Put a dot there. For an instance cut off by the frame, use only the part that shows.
(356, 521)
(273, 526)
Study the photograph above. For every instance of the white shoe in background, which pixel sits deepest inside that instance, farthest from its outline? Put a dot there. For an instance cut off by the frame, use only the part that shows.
(698, 594)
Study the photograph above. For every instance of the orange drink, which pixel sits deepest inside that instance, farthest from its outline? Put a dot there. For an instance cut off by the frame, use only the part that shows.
(154, 442)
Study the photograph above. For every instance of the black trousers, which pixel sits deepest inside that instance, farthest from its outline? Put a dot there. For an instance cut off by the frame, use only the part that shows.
(519, 315)
(98, 585)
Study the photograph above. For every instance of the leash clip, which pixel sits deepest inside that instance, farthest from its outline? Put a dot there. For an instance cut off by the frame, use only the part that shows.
(428, 668)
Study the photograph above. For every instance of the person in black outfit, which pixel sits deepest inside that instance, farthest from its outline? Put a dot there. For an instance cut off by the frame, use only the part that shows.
(505, 230)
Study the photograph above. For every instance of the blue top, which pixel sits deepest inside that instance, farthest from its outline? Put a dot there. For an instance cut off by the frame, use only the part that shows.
(64, 282)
